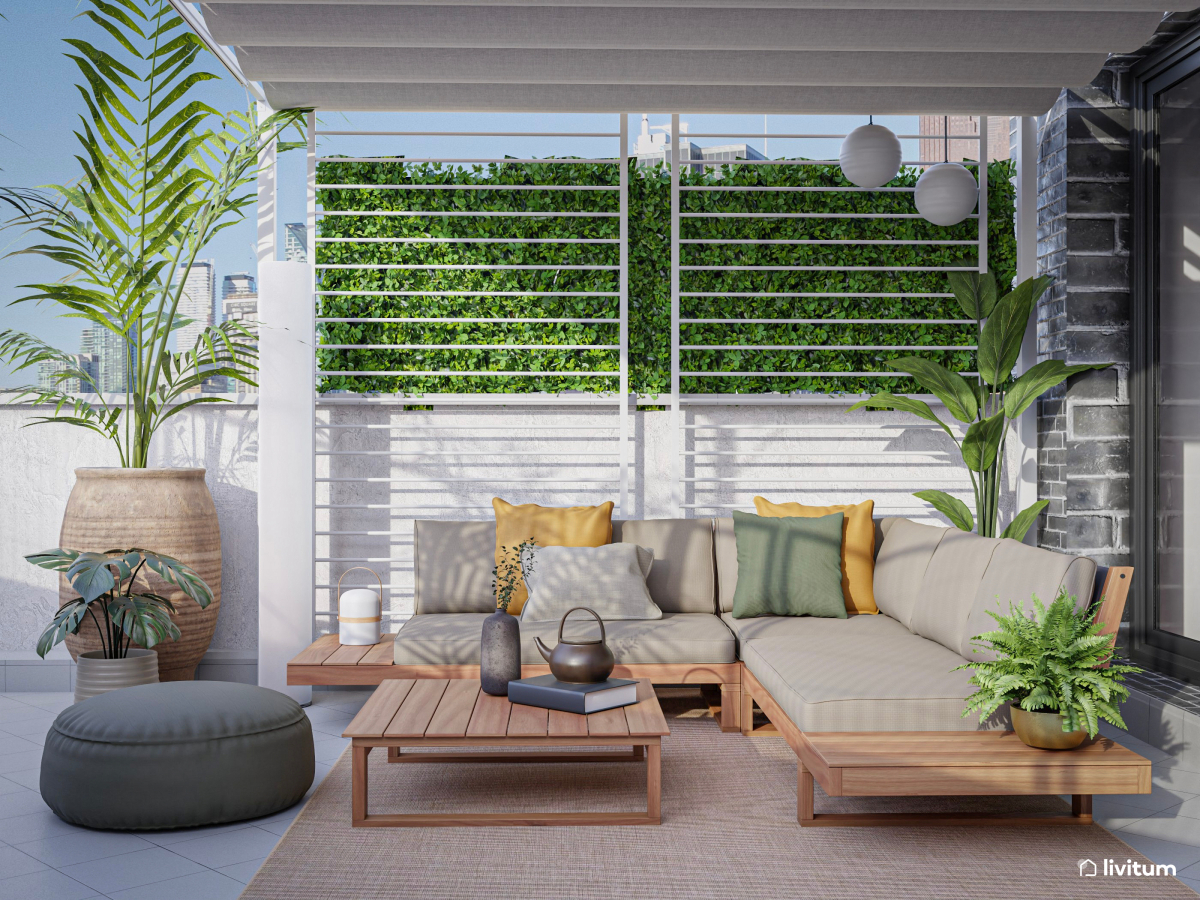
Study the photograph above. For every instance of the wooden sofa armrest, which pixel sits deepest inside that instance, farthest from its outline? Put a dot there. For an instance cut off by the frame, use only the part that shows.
(1112, 596)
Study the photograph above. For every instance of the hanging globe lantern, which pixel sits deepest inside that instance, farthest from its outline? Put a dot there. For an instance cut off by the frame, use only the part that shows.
(946, 194)
(870, 156)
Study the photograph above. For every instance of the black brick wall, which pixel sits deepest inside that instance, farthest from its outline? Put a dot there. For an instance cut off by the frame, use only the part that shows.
(1083, 237)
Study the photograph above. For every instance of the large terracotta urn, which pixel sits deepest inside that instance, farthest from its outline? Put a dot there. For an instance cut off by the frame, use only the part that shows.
(168, 511)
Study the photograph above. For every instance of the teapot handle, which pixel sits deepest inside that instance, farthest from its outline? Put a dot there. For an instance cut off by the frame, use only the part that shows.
(603, 637)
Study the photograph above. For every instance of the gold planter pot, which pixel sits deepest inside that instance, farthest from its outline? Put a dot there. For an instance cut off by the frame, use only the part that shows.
(1044, 730)
(168, 511)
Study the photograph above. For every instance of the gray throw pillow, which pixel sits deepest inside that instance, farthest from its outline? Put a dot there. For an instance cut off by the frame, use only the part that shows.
(611, 579)
(789, 566)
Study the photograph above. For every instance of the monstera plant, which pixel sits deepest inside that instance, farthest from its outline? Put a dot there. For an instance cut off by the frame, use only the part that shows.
(987, 403)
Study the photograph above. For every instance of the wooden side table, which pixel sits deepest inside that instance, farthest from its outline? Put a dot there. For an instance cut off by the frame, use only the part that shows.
(455, 714)
(959, 763)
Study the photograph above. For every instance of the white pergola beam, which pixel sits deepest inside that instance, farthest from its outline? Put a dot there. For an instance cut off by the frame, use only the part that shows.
(421, 65)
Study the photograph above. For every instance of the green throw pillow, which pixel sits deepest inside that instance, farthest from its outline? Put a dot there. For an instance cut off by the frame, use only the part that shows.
(790, 566)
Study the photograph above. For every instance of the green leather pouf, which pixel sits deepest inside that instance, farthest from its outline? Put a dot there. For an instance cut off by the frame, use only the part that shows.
(177, 755)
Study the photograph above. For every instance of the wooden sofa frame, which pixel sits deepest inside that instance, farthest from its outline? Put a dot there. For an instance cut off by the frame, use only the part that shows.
(326, 662)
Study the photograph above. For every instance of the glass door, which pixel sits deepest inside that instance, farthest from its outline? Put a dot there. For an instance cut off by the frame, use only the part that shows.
(1165, 375)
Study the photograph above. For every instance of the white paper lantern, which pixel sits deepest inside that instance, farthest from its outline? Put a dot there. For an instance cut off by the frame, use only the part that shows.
(359, 612)
(871, 156)
(946, 194)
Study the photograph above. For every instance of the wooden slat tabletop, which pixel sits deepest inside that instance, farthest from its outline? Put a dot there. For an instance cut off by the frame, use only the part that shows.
(955, 748)
(458, 708)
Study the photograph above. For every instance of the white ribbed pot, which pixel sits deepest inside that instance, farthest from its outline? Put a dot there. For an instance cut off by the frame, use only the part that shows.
(96, 675)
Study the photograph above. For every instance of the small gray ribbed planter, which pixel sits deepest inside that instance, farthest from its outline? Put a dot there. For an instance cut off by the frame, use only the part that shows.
(96, 675)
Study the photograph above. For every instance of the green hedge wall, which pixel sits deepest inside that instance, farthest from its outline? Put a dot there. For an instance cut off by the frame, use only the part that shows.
(649, 277)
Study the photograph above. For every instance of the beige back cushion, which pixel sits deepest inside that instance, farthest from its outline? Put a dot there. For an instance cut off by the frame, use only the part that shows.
(453, 566)
(904, 554)
(682, 579)
(948, 589)
(1017, 572)
(725, 551)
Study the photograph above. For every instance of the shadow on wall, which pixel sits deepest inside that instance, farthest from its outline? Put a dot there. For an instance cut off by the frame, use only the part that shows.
(224, 441)
(30, 607)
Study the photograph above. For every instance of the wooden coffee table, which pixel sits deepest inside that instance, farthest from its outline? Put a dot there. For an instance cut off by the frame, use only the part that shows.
(959, 763)
(455, 714)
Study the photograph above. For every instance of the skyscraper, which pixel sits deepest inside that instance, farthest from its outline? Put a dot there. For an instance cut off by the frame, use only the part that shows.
(196, 301)
(239, 283)
(295, 242)
(108, 353)
(48, 368)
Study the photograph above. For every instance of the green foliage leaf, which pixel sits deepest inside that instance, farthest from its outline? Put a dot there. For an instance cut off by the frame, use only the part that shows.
(1023, 521)
(952, 508)
(1037, 380)
(90, 575)
(951, 388)
(885, 400)
(1000, 342)
(975, 292)
(982, 441)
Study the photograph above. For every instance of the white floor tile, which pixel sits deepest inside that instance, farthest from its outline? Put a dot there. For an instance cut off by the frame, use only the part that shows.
(327, 749)
(19, 712)
(1177, 778)
(174, 836)
(47, 884)
(30, 779)
(37, 724)
(1152, 753)
(1168, 825)
(13, 862)
(10, 787)
(66, 850)
(333, 726)
(277, 827)
(206, 885)
(23, 759)
(1166, 852)
(20, 804)
(1112, 815)
(52, 701)
(10, 743)
(34, 827)
(1160, 797)
(243, 872)
(220, 850)
(129, 870)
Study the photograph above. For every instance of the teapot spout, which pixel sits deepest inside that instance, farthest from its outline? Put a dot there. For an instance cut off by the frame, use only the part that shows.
(542, 648)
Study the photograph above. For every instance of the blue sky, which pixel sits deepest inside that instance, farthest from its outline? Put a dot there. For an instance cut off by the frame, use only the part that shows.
(41, 109)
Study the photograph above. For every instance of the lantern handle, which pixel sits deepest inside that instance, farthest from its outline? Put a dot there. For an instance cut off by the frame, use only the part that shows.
(347, 572)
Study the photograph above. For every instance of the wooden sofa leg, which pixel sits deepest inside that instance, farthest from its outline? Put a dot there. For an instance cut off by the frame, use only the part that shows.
(731, 707)
(746, 718)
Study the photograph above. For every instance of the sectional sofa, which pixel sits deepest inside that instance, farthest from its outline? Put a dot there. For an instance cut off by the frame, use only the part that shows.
(893, 671)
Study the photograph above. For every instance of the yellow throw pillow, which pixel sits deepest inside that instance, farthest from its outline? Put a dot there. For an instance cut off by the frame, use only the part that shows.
(574, 526)
(858, 546)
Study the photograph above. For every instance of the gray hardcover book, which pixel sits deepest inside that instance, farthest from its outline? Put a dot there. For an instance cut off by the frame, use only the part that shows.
(549, 693)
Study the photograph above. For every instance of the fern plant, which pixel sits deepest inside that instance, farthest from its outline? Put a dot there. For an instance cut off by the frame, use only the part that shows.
(162, 173)
(1057, 661)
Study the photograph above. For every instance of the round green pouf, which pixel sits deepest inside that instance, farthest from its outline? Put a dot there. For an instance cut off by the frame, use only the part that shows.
(178, 754)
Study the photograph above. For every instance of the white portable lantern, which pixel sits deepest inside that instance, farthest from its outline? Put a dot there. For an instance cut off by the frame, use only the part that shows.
(359, 612)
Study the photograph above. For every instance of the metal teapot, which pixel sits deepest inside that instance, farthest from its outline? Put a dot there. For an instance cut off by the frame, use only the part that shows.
(579, 662)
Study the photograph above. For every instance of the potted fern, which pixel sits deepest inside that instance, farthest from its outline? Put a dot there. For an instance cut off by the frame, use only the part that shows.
(1056, 671)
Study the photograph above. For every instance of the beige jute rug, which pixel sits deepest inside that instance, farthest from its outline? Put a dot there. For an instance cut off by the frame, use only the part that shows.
(729, 831)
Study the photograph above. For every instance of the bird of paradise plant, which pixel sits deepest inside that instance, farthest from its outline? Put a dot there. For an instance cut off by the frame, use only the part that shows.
(162, 173)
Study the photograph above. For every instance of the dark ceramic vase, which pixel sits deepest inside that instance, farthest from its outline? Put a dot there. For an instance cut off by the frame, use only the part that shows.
(500, 653)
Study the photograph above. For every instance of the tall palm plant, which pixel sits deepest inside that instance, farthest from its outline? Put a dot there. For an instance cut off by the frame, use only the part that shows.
(162, 174)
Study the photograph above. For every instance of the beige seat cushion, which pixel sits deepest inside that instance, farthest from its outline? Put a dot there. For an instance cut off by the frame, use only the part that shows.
(453, 566)
(1017, 572)
(683, 578)
(675, 638)
(865, 673)
(904, 554)
(947, 592)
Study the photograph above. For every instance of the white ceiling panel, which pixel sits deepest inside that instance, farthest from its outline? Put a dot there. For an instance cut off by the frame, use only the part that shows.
(1004, 57)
